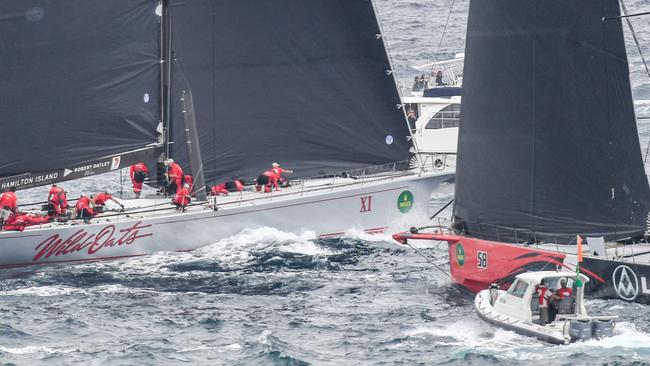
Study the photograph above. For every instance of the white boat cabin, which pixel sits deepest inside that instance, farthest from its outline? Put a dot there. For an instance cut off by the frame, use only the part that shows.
(521, 301)
(434, 126)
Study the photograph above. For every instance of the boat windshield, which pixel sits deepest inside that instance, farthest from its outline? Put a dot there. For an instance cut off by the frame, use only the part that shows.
(518, 288)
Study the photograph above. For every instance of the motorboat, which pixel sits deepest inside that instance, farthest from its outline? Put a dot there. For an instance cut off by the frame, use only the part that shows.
(517, 309)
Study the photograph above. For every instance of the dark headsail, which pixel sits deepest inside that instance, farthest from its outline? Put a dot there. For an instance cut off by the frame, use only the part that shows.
(548, 146)
(303, 83)
(80, 81)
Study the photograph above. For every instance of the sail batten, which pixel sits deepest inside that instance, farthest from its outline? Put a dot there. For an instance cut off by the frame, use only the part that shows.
(302, 83)
(80, 81)
(549, 145)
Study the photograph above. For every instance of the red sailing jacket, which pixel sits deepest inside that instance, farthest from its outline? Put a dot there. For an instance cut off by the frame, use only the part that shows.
(182, 197)
(175, 173)
(101, 198)
(564, 292)
(84, 203)
(138, 167)
(9, 200)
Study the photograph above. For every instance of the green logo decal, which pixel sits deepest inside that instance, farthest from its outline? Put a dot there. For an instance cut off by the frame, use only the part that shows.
(405, 201)
(460, 254)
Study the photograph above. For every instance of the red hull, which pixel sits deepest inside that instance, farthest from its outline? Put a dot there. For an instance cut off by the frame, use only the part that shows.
(477, 263)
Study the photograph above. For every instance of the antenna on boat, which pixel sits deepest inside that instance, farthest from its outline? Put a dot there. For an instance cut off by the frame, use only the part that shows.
(444, 30)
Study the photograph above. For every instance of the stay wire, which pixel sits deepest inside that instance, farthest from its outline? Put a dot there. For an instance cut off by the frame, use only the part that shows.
(429, 260)
(636, 41)
(444, 30)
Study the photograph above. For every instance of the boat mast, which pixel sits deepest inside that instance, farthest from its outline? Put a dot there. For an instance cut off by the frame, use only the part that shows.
(165, 75)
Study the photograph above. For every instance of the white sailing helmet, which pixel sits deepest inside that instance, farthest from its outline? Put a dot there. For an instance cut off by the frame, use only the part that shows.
(168, 161)
(275, 165)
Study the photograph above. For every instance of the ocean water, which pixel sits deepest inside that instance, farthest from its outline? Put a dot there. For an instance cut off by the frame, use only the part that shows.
(267, 297)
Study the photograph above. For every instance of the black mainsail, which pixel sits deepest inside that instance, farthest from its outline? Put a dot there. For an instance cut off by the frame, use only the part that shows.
(548, 146)
(80, 87)
(305, 83)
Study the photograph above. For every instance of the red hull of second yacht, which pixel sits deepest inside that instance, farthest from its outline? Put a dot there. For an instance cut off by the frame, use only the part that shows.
(476, 263)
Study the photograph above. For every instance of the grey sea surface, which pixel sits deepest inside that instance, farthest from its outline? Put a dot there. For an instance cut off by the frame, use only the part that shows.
(267, 297)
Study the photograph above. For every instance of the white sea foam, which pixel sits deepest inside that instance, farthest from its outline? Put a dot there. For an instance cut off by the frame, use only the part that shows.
(34, 349)
(360, 234)
(239, 249)
(41, 291)
(625, 336)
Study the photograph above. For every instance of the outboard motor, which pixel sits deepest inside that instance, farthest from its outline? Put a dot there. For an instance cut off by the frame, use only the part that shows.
(601, 328)
(494, 292)
(580, 330)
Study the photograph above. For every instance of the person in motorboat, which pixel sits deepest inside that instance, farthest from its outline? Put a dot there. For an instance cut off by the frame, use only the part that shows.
(138, 173)
(563, 292)
(174, 176)
(182, 198)
(100, 199)
(544, 295)
(84, 208)
(561, 302)
(8, 205)
(57, 201)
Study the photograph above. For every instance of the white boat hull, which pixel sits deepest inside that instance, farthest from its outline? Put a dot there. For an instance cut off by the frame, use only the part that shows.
(556, 332)
(328, 211)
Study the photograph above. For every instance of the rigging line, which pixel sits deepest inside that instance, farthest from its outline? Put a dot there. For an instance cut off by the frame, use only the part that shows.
(442, 209)
(647, 149)
(636, 41)
(444, 30)
(429, 260)
(627, 16)
(461, 288)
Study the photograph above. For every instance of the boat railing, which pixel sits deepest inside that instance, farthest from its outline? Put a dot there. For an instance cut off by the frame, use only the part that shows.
(351, 177)
(435, 161)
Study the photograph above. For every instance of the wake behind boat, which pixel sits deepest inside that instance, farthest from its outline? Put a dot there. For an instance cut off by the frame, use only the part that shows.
(160, 80)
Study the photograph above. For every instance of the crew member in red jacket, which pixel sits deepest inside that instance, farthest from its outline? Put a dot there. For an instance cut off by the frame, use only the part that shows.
(57, 200)
(100, 199)
(234, 185)
(8, 205)
(279, 171)
(182, 197)
(138, 174)
(19, 221)
(267, 180)
(189, 180)
(84, 208)
(174, 176)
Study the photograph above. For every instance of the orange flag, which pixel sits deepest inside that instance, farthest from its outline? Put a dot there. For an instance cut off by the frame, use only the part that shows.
(579, 240)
